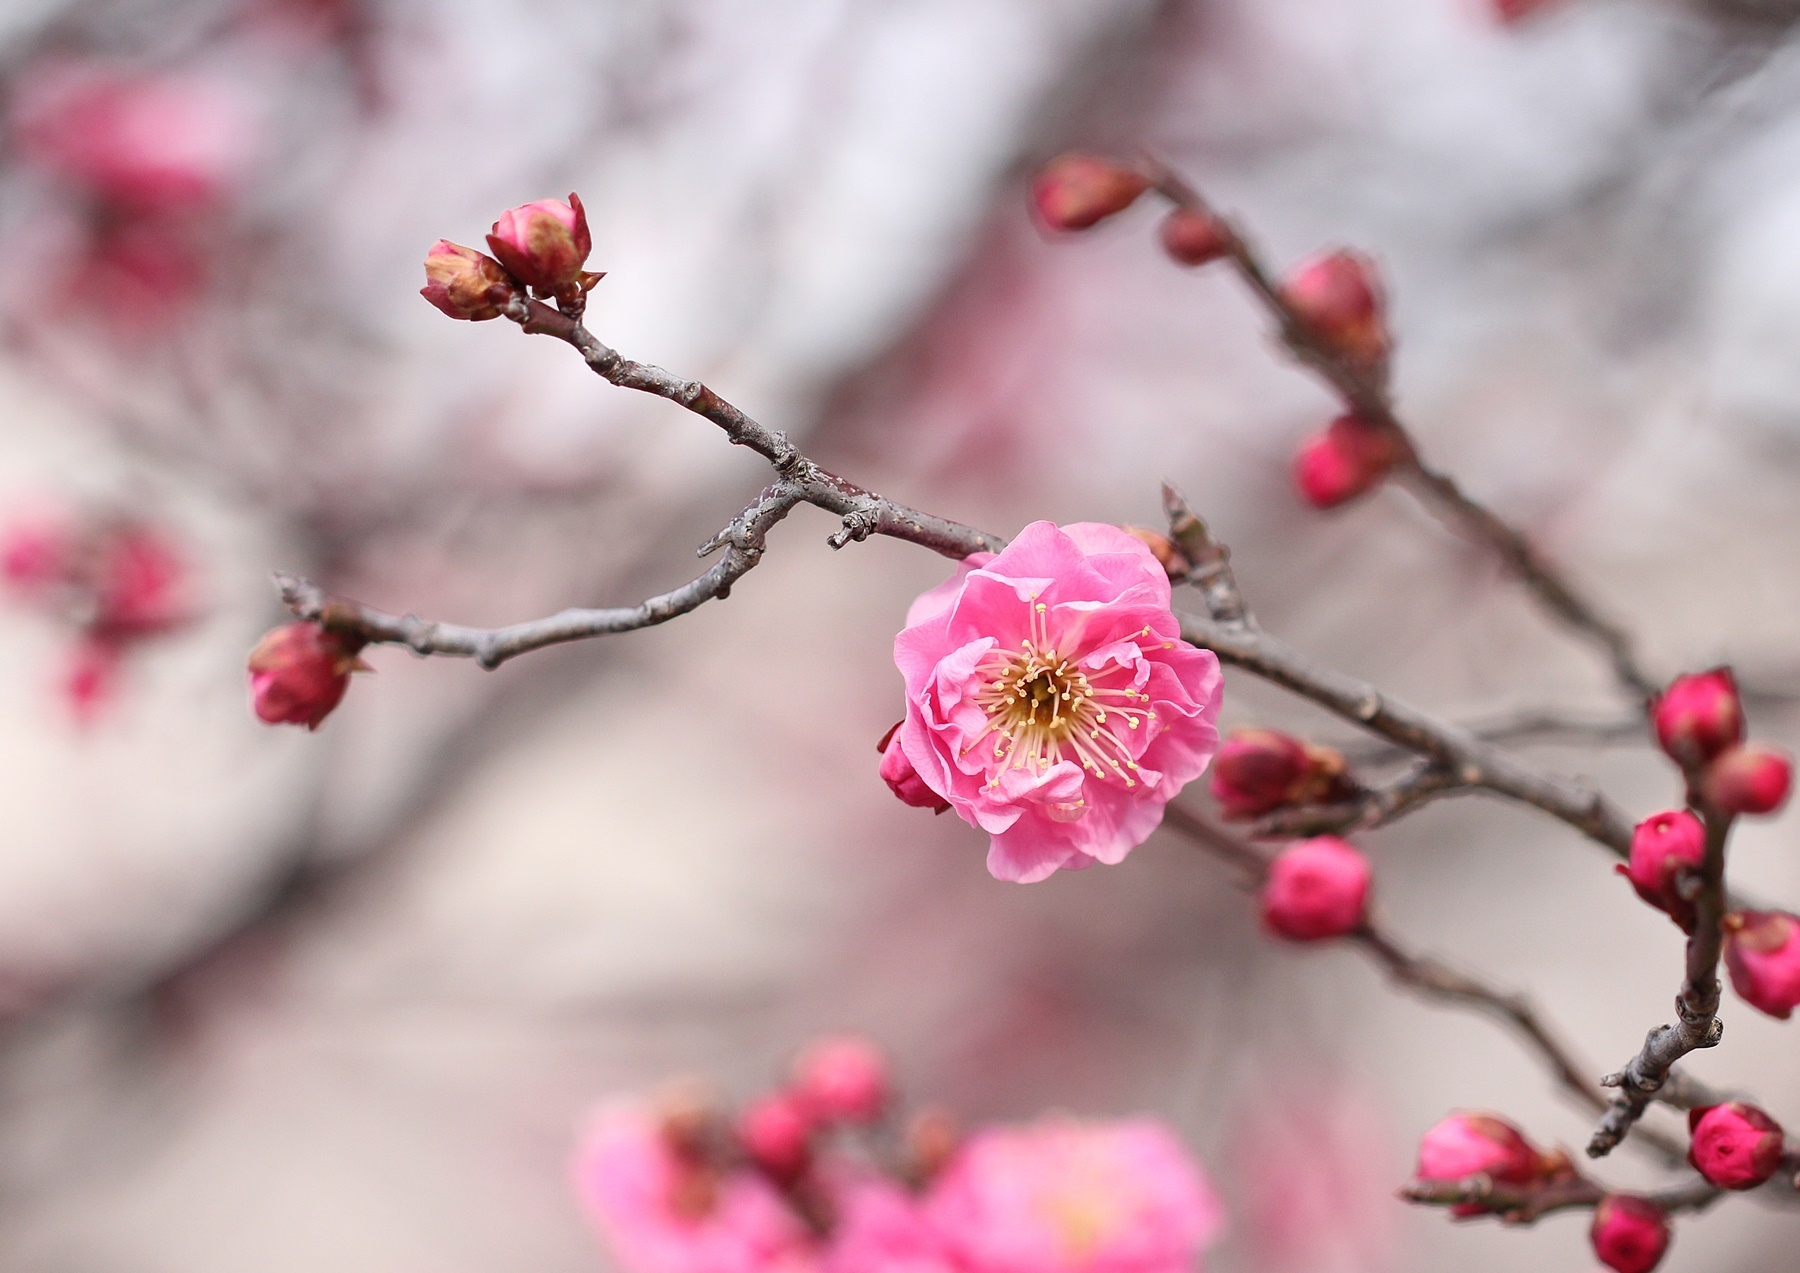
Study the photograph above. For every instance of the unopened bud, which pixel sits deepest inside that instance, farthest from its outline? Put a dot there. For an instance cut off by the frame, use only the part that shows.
(1173, 561)
(1257, 770)
(1073, 192)
(1734, 1145)
(902, 779)
(776, 1132)
(1316, 889)
(1465, 1145)
(842, 1079)
(1629, 1233)
(1754, 778)
(1664, 847)
(1349, 458)
(544, 244)
(298, 673)
(464, 283)
(1192, 237)
(1337, 296)
(1698, 717)
(1762, 953)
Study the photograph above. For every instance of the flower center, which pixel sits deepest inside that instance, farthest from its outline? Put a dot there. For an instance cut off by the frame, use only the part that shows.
(1042, 709)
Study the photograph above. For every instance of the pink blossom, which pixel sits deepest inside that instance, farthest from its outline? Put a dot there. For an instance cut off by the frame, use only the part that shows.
(1464, 1145)
(1754, 778)
(661, 1213)
(543, 244)
(1663, 847)
(1699, 716)
(1629, 1233)
(1257, 770)
(882, 1229)
(91, 678)
(1349, 458)
(141, 140)
(1762, 953)
(141, 586)
(776, 1133)
(1061, 1196)
(37, 553)
(1051, 699)
(1316, 889)
(1338, 296)
(298, 674)
(842, 1078)
(1734, 1145)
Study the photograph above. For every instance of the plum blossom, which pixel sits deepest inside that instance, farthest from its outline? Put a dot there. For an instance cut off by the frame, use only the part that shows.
(1061, 1196)
(882, 1229)
(661, 1213)
(1051, 700)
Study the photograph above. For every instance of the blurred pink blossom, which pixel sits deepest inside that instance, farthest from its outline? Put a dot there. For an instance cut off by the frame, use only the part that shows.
(1061, 1196)
(662, 1214)
(1051, 699)
(882, 1229)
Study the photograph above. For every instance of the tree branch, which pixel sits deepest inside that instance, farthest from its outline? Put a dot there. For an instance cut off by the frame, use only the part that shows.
(1367, 396)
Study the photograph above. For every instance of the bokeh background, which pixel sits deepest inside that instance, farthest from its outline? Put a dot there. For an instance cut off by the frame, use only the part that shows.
(284, 1002)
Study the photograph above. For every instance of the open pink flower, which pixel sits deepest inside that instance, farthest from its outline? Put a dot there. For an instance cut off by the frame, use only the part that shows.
(1051, 699)
(882, 1229)
(1061, 1196)
(660, 1213)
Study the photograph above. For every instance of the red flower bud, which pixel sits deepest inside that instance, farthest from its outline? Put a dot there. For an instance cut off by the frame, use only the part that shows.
(1698, 717)
(1073, 192)
(299, 672)
(1465, 1145)
(776, 1133)
(1337, 295)
(1349, 458)
(1664, 846)
(1194, 238)
(1734, 1145)
(543, 244)
(1754, 778)
(902, 779)
(1257, 770)
(464, 283)
(842, 1079)
(1629, 1233)
(1762, 953)
(1316, 889)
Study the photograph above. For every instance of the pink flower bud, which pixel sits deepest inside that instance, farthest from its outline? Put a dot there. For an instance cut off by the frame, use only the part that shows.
(1257, 770)
(1698, 717)
(299, 672)
(1194, 238)
(1629, 1233)
(543, 244)
(1664, 846)
(1073, 192)
(842, 1079)
(902, 779)
(1337, 295)
(464, 283)
(141, 586)
(776, 1132)
(1754, 778)
(1316, 889)
(1346, 460)
(1465, 1145)
(1762, 953)
(91, 678)
(1734, 1145)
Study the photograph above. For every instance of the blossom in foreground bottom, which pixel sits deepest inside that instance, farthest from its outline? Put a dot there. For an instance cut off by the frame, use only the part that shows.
(1630, 1234)
(1051, 700)
(1062, 1196)
(661, 1213)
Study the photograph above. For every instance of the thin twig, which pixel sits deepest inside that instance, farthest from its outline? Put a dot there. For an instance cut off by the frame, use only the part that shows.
(1366, 394)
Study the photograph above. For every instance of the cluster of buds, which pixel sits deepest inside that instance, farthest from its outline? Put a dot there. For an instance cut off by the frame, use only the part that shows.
(1699, 721)
(1315, 890)
(114, 582)
(541, 246)
(819, 1176)
(1258, 771)
(299, 672)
